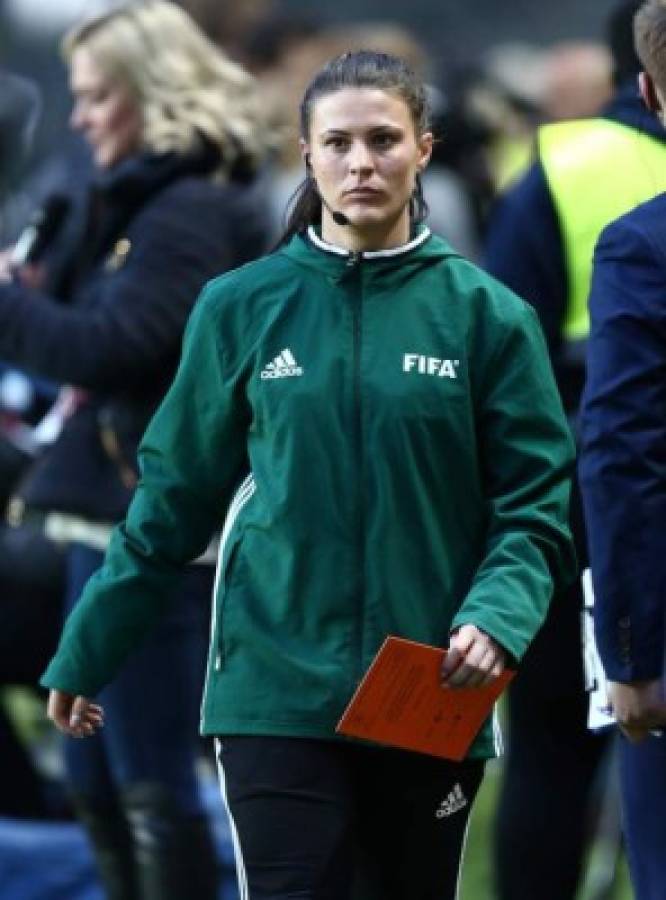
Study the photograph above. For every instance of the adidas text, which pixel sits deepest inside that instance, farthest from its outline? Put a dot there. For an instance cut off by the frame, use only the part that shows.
(283, 366)
(430, 365)
(455, 801)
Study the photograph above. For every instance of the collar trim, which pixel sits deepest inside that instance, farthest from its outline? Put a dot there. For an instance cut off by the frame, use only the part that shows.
(370, 254)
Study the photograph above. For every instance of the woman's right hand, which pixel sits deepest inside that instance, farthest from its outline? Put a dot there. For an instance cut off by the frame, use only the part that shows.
(76, 716)
(474, 659)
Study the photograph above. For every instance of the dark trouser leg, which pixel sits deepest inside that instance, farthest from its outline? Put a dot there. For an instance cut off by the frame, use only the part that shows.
(145, 756)
(323, 820)
(643, 786)
(552, 761)
(414, 815)
(109, 834)
(290, 805)
(174, 853)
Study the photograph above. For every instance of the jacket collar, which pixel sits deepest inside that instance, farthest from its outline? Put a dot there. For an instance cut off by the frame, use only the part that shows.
(627, 108)
(309, 250)
(420, 238)
(134, 179)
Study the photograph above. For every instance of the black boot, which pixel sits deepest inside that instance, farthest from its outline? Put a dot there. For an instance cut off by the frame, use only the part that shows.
(175, 855)
(109, 833)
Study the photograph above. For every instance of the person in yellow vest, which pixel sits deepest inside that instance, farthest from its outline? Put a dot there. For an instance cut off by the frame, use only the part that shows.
(540, 243)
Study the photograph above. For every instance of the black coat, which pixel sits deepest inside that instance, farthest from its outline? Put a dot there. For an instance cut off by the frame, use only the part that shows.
(155, 230)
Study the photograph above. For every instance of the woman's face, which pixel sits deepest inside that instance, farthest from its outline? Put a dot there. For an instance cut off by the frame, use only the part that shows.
(364, 155)
(105, 111)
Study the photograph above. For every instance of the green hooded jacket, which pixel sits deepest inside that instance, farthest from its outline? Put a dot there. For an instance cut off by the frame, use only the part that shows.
(383, 432)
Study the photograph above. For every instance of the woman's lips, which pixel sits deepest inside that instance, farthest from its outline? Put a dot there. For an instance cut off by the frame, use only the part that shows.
(363, 193)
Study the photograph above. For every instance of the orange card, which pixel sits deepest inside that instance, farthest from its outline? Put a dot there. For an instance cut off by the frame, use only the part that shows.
(400, 702)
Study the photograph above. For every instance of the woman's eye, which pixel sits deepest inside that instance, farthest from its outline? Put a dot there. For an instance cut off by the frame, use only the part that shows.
(384, 141)
(337, 143)
(92, 99)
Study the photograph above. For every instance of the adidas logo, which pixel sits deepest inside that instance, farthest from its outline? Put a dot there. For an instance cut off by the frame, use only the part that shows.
(283, 366)
(455, 801)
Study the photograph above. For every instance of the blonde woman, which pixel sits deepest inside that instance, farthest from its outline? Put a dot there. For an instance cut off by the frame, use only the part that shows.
(176, 135)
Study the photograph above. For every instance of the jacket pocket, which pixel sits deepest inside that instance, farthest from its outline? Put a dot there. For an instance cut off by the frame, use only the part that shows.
(223, 587)
(226, 559)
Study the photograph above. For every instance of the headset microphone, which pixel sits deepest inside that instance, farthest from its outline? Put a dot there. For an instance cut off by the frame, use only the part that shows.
(339, 217)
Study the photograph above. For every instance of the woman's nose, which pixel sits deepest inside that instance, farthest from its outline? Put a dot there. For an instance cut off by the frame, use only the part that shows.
(360, 158)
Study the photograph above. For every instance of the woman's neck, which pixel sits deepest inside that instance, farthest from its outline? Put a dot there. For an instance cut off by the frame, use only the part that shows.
(355, 239)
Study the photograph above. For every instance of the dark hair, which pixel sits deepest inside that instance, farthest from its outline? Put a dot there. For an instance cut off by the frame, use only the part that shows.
(274, 37)
(620, 39)
(359, 69)
(650, 37)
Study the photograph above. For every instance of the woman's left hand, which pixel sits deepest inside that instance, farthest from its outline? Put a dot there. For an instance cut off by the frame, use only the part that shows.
(473, 659)
(74, 715)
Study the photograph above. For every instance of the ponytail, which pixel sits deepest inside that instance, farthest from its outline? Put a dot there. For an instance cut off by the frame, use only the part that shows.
(303, 210)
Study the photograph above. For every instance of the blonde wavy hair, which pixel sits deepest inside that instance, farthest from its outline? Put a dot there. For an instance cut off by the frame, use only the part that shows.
(185, 86)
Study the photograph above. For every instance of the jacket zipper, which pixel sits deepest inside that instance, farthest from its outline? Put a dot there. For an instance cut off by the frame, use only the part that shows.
(354, 264)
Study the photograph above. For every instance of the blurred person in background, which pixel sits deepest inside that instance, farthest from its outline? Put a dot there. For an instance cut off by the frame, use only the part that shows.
(540, 243)
(230, 25)
(623, 483)
(31, 569)
(176, 134)
(363, 497)
(511, 93)
(20, 104)
(507, 96)
(578, 80)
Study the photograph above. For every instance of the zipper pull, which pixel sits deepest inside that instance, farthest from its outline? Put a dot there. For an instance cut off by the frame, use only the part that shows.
(354, 259)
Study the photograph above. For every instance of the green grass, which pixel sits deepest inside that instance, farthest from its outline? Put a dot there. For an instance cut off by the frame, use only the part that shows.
(477, 880)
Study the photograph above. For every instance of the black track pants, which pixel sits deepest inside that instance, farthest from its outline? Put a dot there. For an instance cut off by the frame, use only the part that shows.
(326, 820)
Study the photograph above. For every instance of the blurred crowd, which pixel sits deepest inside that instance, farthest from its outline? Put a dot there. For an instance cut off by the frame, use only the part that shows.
(487, 116)
(486, 112)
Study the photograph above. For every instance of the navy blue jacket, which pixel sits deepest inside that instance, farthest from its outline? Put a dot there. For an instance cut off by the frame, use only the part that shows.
(623, 431)
(112, 324)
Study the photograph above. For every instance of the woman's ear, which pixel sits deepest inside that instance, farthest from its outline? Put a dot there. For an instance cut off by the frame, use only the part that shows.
(425, 143)
(305, 153)
(648, 91)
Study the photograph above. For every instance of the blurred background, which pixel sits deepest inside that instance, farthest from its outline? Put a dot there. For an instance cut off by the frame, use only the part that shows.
(495, 71)
(453, 37)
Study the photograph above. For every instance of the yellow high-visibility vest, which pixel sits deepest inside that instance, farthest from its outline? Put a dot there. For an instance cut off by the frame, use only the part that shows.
(596, 171)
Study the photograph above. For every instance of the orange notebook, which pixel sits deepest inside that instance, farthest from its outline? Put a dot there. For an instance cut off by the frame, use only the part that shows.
(400, 702)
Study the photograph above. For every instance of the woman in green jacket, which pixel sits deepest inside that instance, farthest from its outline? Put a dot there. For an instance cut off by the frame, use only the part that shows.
(379, 421)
